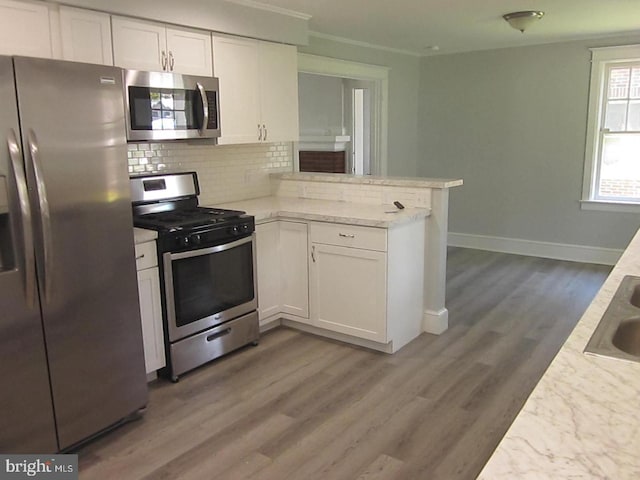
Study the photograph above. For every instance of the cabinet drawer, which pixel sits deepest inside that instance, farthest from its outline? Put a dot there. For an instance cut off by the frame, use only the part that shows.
(354, 236)
(146, 256)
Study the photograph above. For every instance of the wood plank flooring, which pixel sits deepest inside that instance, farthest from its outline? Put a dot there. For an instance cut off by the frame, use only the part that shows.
(303, 407)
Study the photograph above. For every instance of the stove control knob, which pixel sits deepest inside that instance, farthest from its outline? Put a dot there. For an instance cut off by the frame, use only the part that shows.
(184, 241)
(245, 228)
(234, 230)
(195, 239)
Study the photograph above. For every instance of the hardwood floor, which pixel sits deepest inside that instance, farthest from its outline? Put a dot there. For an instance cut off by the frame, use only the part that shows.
(304, 407)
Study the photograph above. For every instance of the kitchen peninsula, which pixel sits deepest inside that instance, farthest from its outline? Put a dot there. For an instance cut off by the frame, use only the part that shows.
(334, 212)
(581, 420)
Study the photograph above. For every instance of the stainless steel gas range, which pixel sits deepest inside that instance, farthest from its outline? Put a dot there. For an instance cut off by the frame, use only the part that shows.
(207, 259)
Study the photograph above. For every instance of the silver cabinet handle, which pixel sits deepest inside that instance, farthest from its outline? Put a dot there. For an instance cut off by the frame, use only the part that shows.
(45, 212)
(346, 235)
(164, 60)
(171, 61)
(25, 211)
(313, 253)
(205, 107)
(265, 131)
(259, 133)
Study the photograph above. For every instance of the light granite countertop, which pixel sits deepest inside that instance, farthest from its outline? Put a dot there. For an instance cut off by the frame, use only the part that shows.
(271, 208)
(141, 235)
(409, 182)
(583, 418)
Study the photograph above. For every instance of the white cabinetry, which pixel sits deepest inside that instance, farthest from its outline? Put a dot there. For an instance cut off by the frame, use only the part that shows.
(258, 90)
(282, 273)
(150, 306)
(349, 279)
(25, 29)
(268, 269)
(294, 269)
(152, 46)
(86, 36)
(368, 282)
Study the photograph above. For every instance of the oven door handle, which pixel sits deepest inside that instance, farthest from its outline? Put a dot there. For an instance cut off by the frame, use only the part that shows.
(210, 250)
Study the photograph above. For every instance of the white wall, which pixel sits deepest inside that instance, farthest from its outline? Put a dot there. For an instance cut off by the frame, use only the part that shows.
(320, 101)
(512, 124)
(403, 96)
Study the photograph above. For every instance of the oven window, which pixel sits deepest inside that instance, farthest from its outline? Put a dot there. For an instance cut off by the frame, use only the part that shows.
(211, 283)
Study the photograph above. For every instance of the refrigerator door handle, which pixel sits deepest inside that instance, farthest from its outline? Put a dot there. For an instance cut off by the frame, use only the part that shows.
(45, 212)
(15, 155)
(205, 107)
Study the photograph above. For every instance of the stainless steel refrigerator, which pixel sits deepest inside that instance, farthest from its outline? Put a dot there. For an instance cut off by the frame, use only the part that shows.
(71, 355)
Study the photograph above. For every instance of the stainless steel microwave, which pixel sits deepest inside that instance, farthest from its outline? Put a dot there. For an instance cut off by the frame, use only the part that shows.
(170, 106)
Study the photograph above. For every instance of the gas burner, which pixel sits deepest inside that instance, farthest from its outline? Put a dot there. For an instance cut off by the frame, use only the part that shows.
(182, 219)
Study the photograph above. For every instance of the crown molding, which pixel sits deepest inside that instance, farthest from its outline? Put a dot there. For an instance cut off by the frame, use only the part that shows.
(359, 43)
(271, 8)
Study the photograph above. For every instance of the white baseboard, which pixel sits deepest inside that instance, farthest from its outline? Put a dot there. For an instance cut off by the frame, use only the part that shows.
(435, 322)
(532, 248)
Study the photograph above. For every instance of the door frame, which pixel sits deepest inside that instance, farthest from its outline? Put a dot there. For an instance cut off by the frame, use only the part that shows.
(333, 67)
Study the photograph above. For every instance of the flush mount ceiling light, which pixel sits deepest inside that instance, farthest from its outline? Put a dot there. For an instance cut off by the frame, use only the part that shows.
(523, 20)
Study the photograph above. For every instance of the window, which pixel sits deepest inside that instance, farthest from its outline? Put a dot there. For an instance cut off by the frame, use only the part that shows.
(612, 163)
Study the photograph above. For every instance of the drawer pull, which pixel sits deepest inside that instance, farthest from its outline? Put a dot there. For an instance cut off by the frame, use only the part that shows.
(214, 336)
(346, 235)
(138, 257)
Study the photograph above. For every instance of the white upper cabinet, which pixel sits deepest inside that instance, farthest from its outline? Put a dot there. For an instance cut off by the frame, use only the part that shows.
(189, 51)
(25, 29)
(151, 46)
(235, 63)
(86, 36)
(139, 45)
(278, 91)
(258, 90)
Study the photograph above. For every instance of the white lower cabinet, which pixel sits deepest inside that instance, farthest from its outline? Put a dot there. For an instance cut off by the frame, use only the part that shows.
(349, 280)
(348, 291)
(345, 281)
(282, 270)
(268, 269)
(368, 282)
(150, 306)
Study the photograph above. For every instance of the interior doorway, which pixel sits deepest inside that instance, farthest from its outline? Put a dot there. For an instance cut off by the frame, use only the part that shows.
(343, 112)
(360, 121)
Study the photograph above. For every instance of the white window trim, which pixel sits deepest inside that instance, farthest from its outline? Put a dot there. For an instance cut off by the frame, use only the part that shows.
(600, 57)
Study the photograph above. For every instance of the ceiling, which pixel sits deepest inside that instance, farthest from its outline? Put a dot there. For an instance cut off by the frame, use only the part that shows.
(412, 26)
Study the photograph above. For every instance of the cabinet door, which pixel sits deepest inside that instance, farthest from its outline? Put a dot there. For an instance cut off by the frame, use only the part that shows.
(86, 36)
(139, 45)
(348, 291)
(189, 51)
(151, 313)
(279, 91)
(25, 29)
(235, 63)
(294, 268)
(268, 269)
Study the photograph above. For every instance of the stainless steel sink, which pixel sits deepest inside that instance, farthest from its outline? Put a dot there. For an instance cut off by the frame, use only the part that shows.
(618, 333)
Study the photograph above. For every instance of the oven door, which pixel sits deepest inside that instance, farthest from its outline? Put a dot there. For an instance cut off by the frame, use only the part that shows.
(170, 106)
(209, 286)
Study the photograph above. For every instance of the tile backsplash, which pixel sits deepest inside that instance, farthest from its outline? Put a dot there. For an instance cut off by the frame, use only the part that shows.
(226, 172)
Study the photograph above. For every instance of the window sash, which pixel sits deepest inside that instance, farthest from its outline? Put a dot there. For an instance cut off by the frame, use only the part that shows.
(603, 61)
